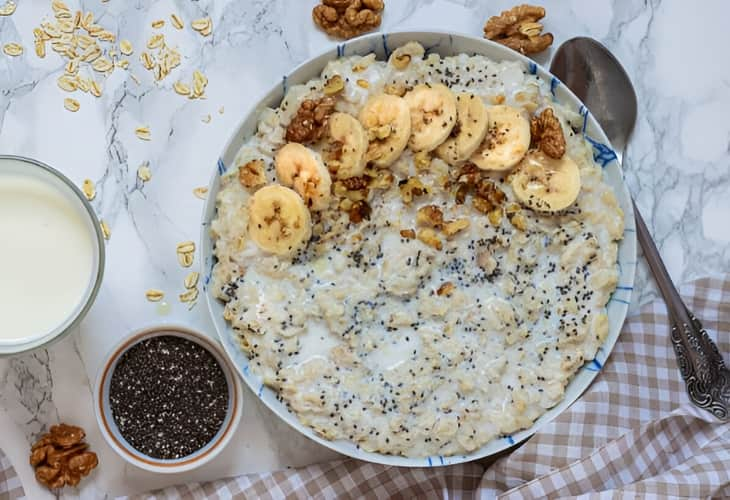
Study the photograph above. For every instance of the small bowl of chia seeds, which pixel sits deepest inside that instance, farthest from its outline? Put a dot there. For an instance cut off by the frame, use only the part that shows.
(167, 400)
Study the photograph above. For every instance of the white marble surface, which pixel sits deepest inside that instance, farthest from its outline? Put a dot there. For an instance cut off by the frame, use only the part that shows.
(678, 168)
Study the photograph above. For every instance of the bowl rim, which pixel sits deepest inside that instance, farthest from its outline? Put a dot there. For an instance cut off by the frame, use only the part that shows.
(73, 321)
(159, 465)
(502, 53)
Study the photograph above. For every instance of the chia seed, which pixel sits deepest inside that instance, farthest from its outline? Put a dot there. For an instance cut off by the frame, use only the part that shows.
(168, 397)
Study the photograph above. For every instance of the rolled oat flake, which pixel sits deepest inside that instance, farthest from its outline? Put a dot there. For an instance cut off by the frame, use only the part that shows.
(168, 397)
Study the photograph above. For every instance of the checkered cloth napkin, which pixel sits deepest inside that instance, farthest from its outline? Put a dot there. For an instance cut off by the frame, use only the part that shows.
(634, 433)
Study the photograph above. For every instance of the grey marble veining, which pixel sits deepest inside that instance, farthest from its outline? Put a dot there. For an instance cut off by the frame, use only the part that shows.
(677, 167)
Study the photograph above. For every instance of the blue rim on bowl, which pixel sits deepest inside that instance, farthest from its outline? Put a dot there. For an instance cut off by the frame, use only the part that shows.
(92, 291)
(445, 44)
(111, 433)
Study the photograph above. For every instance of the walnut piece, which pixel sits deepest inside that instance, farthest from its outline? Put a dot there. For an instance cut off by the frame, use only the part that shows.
(452, 227)
(430, 216)
(519, 30)
(429, 237)
(547, 134)
(359, 211)
(445, 289)
(252, 174)
(356, 183)
(408, 234)
(487, 190)
(61, 458)
(469, 174)
(410, 188)
(310, 122)
(348, 18)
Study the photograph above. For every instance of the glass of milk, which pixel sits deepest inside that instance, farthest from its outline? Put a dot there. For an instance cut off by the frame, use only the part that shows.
(51, 255)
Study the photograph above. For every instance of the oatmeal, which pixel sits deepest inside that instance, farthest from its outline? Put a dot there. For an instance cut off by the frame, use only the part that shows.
(419, 278)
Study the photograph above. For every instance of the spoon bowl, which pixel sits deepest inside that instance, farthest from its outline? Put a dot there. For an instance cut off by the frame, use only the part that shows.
(594, 74)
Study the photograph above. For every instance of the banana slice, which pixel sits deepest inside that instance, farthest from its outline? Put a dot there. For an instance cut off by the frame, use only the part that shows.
(387, 121)
(279, 222)
(433, 115)
(546, 184)
(299, 167)
(468, 133)
(507, 140)
(348, 160)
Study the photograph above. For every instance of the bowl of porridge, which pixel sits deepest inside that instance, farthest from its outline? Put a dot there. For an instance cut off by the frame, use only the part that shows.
(418, 248)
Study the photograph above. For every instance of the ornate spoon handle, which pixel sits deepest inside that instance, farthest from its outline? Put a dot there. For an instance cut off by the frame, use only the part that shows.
(701, 365)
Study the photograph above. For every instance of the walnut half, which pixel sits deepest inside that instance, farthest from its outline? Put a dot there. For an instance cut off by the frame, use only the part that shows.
(61, 458)
(348, 18)
(547, 134)
(519, 30)
(309, 124)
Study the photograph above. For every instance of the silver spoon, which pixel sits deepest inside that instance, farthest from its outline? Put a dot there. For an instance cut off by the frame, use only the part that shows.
(598, 79)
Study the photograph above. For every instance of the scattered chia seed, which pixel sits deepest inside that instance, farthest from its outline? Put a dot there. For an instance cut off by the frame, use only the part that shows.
(168, 397)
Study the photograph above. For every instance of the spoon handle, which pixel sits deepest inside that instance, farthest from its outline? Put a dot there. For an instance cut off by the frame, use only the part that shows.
(700, 362)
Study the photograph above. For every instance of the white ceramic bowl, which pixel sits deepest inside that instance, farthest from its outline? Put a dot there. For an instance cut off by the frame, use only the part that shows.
(445, 44)
(109, 428)
(61, 183)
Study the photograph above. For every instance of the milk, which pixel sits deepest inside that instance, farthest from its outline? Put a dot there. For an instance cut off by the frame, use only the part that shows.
(47, 252)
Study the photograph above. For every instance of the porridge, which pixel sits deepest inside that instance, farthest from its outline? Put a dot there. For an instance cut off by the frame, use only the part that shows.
(416, 254)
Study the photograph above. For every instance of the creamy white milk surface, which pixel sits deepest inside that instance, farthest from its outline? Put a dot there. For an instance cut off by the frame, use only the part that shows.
(46, 254)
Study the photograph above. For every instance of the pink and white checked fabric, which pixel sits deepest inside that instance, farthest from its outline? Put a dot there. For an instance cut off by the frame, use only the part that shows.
(633, 434)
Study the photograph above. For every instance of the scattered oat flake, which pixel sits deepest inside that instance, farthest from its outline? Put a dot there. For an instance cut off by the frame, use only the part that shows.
(8, 8)
(95, 89)
(185, 253)
(199, 83)
(107, 36)
(105, 229)
(67, 83)
(40, 48)
(89, 189)
(13, 49)
(201, 192)
(147, 61)
(191, 280)
(363, 83)
(102, 65)
(186, 247)
(59, 7)
(204, 26)
(143, 133)
(72, 67)
(189, 296)
(83, 83)
(156, 41)
(71, 104)
(87, 20)
(176, 21)
(158, 24)
(181, 88)
(206, 119)
(221, 110)
(144, 173)
(154, 295)
(185, 259)
(125, 47)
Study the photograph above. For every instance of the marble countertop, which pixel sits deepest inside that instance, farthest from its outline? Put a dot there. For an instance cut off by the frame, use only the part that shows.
(677, 167)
